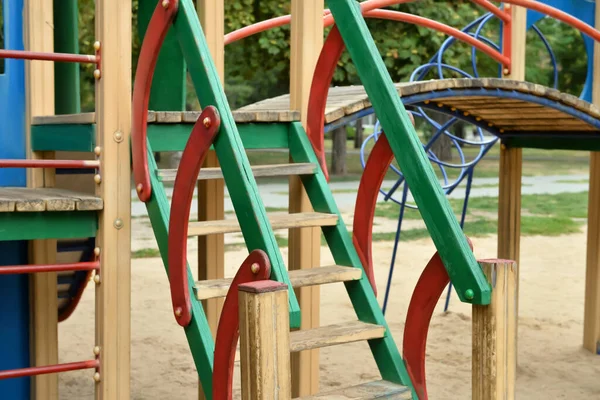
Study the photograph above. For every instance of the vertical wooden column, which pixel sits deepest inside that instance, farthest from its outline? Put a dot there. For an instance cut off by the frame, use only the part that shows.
(305, 243)
(495, 335)
(511, 159)
(591, 318)
(113, 127)
(211, 193)
(264, 341)
(39, 36)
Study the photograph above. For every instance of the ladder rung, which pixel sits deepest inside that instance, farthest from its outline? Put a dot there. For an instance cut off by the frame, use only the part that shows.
(211, 289)
(331, 335)
(278, 221)
(259, 171)
(367, 391)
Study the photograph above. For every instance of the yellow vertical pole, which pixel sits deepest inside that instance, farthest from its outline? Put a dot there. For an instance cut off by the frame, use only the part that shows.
(39, 36)
(591, 318)
(304, 244)
(211, 193)
(113, 127)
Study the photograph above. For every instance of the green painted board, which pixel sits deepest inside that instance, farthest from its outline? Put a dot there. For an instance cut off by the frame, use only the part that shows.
(249, 208)
(465, 272)
(197, 332)
(590, 143)
(48, 225)
(66, 40)
(66, 137)
(386, 354)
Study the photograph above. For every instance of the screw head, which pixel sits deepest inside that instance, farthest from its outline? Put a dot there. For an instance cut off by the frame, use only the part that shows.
(97, 278)
(139, 187)
(118, 136)
(118, 224)
(97, 178)
(97, 350)
(97, 377)
(98, 150)
(165, 3)
(97, 251)
(255, 268)
(506, 71)
(97, 74)
(440, 105)
(469, 294)
(178, 312)
(97, 45)
(207, 122)
(503, 146)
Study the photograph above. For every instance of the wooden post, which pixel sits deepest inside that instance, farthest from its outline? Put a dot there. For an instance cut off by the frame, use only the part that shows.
(211, 193)
(304, 244)
(591, 318)
(264, 341)
(495, 335)
(39, 36)
(113, 114)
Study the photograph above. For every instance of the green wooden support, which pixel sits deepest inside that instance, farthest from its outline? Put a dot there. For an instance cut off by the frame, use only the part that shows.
(67, 137)
(450, 241)
(386, 354)
(66, 40)
(48, 225)
(248, 205)
(197, 332)
(168, 91)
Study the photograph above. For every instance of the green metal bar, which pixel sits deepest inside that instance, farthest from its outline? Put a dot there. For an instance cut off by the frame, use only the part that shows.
(197, 332)
(386, 354)
(249, 208)
(590, 143)
(48, 225)
(465, 272)
(66, 40)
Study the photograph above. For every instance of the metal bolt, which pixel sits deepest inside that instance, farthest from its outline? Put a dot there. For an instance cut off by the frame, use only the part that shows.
(97, 251)
(478, 118)
(97, 74)
(97, 178)
(97, 279)
(207, 122)
(440, 105)
(98, 150)
(453, 109)
(118, 136)
(97, 350)
(118, 224)
(165, 3)
(469, 294)
(506, 71)
(426, 101)
(501, 130)
(139, 188)
(490, 124)
(466, 114)
(178, 312)
(255, 268)
(503, 146)
(97, 377)
(97, 45)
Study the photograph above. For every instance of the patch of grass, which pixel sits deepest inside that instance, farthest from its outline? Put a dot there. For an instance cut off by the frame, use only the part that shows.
(390, 210)
(569, 205)
(145, 253)
(276, 209)
(281, 241)
(234, 246)
(339, 191)
(548, 226)
(586, 181)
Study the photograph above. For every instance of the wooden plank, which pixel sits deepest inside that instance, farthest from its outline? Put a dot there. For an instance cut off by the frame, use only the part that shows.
(65, 119)
(367, 391)
(46, 199)
(113, 109)
(299, 278)
(259, 171)
(591, 316)
(331, 335)
(264, 341)
(278, 221)
(495, 335)
(168, 117)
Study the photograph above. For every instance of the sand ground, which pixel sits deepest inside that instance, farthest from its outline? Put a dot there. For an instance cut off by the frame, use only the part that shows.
(552, 363)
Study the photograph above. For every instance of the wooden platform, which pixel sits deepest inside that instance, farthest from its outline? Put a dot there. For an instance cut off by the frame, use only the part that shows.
(46, 199)
(497, 106)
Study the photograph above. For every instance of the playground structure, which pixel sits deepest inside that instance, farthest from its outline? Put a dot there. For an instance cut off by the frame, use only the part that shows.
(219, 135)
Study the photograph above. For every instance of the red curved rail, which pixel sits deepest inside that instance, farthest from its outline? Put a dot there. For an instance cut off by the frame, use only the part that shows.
(158, 27)
(429, 288)
(193, 156)
(62, 57)
(71, 164)
(256, 267)
(50, 369)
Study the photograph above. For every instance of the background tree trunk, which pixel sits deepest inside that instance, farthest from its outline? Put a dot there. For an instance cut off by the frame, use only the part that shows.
(442, 147)
(358, 137)
(338, 151)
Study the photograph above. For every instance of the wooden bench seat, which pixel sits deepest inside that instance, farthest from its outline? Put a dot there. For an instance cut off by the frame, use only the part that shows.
(46, 199)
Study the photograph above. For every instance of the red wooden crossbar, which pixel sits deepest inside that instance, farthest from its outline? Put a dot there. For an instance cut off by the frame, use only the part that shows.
(35, 268)
(78, 164)
(49, 369)
(62, 57)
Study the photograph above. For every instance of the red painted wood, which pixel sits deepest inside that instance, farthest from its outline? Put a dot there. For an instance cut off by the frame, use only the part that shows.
(50, 369)
(75, 164)
(262, 287)
(62, 57)
(366, 200)
(228, 330)
(193, 156)
(155, 35)
(428, 290)
(35, 268)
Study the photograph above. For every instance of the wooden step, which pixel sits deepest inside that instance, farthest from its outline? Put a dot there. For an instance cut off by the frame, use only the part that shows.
(46, 199)
(366, 391)
(259, 171)
(211, 289)
(278, 221)
(332, 335)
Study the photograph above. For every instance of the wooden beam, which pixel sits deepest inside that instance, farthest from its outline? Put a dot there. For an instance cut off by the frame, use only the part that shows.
(113, 112)
(591, 316)
(495, 335)
(39, 36)
(304, 244)
(264, 341)
(211, 194)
